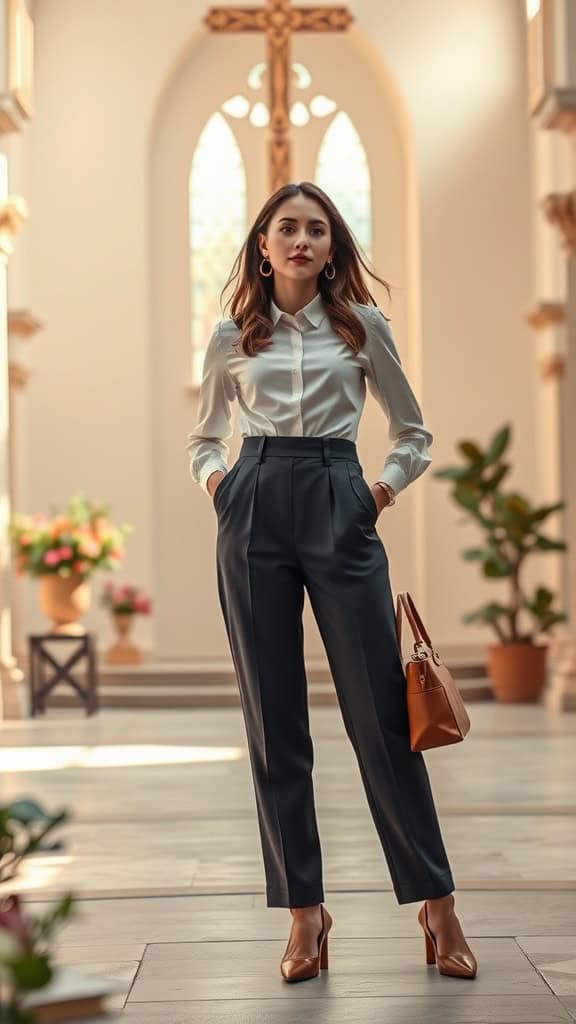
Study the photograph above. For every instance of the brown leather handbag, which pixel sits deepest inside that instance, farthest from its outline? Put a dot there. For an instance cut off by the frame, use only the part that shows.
(436, 710)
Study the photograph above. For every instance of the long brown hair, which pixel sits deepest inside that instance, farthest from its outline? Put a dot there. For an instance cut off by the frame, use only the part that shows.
(250, 301)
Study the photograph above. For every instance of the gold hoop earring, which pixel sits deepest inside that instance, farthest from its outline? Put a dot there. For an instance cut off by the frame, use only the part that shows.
(331, 276)
(271, 271)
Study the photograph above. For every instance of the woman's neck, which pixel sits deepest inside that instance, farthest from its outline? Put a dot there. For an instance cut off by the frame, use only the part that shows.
(290, 296)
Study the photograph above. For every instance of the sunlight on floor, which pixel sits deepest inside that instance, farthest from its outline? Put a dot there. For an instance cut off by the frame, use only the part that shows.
(40, 873)
(41, 759)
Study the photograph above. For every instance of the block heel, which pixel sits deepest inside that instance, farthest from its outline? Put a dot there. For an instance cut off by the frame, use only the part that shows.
(459, 964)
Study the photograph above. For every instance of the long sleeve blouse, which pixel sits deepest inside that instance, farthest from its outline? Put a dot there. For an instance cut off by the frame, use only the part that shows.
(307, 383)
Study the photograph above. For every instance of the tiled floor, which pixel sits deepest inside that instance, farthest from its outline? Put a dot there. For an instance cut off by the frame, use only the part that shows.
(162, 852)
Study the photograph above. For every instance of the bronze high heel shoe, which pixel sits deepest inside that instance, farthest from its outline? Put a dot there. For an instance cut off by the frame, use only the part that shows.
(457, 964)
(301, 968)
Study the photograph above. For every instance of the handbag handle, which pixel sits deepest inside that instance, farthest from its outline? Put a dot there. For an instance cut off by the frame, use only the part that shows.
(404, 601)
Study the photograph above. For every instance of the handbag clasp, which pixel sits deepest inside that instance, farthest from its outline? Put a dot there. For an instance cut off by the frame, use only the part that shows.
(419, 655)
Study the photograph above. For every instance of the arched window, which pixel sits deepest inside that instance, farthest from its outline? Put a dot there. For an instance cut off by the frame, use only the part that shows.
(342, 171)
(217, 227)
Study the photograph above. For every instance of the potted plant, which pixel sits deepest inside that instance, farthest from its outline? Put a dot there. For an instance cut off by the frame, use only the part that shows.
(25, 956)
(124, 601)
(64, 550)
(512, 528)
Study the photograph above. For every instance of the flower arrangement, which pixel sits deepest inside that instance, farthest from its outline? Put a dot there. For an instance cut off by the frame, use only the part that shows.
(79, 541)
(125, 599)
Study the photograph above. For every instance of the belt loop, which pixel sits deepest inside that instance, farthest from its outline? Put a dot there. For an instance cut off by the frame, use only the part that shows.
(326, 451)
(260, 448)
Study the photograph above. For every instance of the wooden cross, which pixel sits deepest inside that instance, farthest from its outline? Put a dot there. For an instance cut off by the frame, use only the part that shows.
(278, 20)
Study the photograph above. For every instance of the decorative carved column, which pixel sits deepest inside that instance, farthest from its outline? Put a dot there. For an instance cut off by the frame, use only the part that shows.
(551, 65)
(13, 212)
(16, 108)
(18, 376)
(22, 326)
(561, 693)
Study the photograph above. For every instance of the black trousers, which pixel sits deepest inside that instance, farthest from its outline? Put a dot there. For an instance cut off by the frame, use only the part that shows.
(295, 513)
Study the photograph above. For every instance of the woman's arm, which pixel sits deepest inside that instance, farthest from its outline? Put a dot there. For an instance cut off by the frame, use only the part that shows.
(206, 443)
(409, 456)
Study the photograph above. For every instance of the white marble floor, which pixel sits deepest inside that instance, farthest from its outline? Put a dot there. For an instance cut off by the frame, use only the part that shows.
(162, 853)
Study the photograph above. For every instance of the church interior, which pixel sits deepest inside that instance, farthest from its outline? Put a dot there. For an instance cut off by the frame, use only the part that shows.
(138, 141)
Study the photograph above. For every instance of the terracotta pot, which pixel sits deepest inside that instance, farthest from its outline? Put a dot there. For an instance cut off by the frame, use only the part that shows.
(517, 671)
(123, 651)
(63, 599)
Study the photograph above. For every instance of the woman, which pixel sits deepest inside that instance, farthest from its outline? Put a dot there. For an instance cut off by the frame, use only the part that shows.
(294, 512)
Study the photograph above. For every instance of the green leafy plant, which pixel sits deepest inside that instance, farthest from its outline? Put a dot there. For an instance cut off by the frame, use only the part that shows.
(25, 955)
(24, 826)
(512, 528)
(24, 939)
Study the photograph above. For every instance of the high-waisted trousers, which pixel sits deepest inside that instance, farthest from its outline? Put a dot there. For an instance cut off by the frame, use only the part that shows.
(295, 513)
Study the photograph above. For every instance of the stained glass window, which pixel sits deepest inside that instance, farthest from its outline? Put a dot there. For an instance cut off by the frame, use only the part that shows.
(342, 171)
(217, 205)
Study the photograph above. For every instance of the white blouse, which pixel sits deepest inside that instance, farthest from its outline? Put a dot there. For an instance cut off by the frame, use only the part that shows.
(307, 383)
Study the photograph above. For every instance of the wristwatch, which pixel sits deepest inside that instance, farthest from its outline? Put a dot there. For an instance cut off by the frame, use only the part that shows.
(389, 491)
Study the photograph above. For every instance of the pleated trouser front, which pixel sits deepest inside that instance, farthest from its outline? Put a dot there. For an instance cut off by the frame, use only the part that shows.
(296, 513)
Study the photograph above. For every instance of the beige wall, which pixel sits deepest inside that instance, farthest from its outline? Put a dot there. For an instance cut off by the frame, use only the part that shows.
(123, 90)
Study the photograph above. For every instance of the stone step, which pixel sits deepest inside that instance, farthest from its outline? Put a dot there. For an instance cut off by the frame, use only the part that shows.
(212, 695)
(176, 674)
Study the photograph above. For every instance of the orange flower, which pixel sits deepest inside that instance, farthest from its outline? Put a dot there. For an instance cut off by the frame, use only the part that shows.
(89, 547)
(60, 524)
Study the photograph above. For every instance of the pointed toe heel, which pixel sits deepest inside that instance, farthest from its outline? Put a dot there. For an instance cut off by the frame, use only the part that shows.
(459, 964)
(301, 968)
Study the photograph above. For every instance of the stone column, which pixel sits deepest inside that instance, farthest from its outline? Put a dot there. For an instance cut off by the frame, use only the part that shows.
(22, 326)
(13, 212)
(16, 108)
(561, 693)
(551, 65)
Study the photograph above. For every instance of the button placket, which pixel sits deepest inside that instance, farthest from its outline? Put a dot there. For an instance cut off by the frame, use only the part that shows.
(297, 378)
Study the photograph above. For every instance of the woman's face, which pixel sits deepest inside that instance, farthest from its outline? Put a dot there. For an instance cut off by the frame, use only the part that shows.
(298, 227)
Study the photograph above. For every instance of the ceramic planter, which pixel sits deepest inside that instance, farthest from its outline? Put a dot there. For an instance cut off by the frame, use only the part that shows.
(517, 671)
(123, 651)
(64, 599)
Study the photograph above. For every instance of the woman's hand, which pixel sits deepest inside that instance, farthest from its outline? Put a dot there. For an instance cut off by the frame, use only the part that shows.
(380, 497)
(215, 478)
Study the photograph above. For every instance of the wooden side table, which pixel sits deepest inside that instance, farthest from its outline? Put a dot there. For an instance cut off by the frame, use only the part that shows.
(45, 672)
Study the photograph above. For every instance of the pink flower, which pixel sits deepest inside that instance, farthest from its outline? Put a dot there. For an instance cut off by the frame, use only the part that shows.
(12, 919)
(51, 557)
(65, 551)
